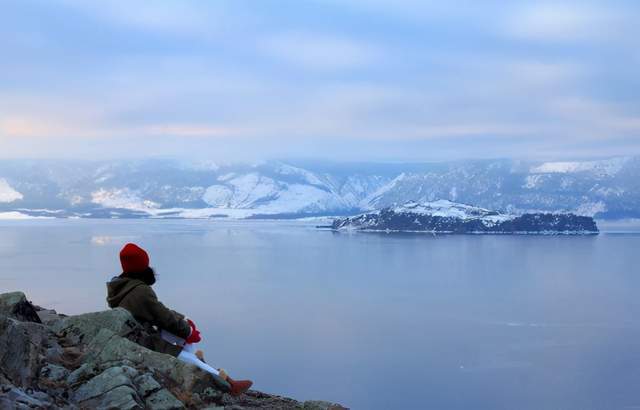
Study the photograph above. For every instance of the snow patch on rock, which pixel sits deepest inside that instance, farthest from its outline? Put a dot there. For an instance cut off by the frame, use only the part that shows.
(251, 189)
(7, 193)
(309, 177)
(12, 215)
(533, 181)
(301, 198)
(227, 176)
(122, 198)
(591, 208)
(218, 196)
(608, 167)
(371, 201)
(448, 209)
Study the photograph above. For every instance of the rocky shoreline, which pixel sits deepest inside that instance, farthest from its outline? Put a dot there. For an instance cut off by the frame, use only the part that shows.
(93, 361)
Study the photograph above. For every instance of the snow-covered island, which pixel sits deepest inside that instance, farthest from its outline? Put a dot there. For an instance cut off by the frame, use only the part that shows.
(448, 217)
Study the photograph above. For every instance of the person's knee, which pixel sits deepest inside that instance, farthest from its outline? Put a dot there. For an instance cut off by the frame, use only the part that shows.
(189, 348)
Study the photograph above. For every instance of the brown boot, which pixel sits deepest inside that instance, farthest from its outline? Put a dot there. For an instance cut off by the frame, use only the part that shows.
(239, 386)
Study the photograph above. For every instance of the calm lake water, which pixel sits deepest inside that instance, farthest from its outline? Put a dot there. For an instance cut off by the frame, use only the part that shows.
(373, 321)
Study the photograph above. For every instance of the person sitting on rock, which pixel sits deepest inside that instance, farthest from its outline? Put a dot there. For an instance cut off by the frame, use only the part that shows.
(170, 332)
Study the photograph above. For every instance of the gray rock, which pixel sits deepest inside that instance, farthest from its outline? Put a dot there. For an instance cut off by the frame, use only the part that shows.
(255, 399)
(48, 317)
(120, 398)
(105, 382)
(16, 305)
(53, 373)
(8, 300)
(13, 397)
(39, 395)
(321, 405)
(187, 380)
(84, 372)
(163, 400)
(83, 328)
(111, 389)
(53, 351)
(22, 346)
(210, 394)
(108, 347)
(147, 384)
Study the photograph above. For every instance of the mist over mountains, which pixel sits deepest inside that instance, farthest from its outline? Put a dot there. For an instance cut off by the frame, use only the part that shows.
(164, 188)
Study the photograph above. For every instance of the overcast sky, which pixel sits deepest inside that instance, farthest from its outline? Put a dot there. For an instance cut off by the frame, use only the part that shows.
(359, 79)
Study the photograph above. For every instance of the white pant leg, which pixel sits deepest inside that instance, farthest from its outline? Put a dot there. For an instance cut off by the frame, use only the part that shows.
(189, 347)
(189, 357)
(188, 352)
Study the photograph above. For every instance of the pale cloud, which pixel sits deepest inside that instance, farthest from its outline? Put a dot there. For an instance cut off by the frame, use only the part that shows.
(190, 130)
(457, 130)
(18, 127)
(412, 11)
(40, 128)
(172, 16)
(358, 78)
(320, 51)
(596, 119)
(544, 73)
(45, 116)
(560, 21)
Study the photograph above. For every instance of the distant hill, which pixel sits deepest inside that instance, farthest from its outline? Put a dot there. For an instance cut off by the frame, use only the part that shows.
(608, 188)
(453, 218)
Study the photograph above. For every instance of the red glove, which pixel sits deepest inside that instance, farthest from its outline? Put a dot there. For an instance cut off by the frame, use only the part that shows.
(194, 337)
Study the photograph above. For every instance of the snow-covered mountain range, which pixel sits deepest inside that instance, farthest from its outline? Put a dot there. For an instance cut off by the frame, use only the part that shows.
(608, 188)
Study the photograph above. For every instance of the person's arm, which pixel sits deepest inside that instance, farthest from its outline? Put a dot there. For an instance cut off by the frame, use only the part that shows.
(161, 316)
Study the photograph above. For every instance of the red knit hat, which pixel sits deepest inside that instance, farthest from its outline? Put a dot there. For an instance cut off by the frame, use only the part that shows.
(133, 258)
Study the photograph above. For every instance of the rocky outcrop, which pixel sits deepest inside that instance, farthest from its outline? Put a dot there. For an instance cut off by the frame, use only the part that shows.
(96, 361)
(15, 305)
(448, 217)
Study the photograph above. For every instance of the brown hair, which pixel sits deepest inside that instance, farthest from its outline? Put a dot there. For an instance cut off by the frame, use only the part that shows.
(147, 275)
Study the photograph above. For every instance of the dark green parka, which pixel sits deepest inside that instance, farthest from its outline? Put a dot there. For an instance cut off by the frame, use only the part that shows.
(139, 299)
